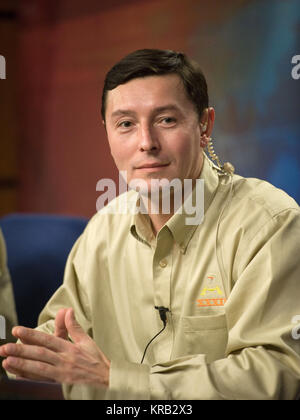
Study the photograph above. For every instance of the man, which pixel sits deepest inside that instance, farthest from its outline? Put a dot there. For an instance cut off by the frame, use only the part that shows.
(8, 316)
(166, 309)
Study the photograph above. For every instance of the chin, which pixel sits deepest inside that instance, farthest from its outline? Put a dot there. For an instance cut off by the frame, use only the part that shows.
(140, 185)
(154, 186)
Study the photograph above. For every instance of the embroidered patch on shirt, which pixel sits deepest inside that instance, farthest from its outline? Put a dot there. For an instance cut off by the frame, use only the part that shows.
(212, 292)
(211, 302)
(211, 289)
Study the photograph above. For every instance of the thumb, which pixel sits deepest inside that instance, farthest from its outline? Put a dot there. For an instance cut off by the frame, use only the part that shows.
(60, 327)
(74, 329)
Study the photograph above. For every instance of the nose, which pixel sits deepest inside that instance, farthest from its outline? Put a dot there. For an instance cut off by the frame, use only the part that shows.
(148, 140)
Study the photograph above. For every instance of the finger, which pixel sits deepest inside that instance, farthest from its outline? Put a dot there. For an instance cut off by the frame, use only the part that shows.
(75, 331)
(7, 364)
(60, 326)
(2, 351)
(35, 337)
(30, 369)
(30, 352)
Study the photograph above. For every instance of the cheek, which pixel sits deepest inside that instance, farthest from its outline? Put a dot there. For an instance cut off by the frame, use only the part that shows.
(186, 147)
(119, 158)
(123, 159)
(118, 152)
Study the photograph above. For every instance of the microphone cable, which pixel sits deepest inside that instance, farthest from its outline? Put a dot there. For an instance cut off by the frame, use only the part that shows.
(163, 316)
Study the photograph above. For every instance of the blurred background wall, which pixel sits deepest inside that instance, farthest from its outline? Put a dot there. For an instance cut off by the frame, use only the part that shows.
(53, 148)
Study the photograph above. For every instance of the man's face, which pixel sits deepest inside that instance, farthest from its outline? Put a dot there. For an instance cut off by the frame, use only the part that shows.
(153, 129)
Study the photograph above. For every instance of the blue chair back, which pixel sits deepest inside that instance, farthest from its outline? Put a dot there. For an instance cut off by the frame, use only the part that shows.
(37, 249)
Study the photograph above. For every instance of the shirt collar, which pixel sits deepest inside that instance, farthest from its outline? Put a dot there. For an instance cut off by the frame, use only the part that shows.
(182, 232)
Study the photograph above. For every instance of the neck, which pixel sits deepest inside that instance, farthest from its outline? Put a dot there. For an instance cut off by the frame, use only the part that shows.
(158, 221)
(161, 208)
(155, 206)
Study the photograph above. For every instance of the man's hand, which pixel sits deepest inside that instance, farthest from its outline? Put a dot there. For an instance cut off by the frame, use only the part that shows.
(48, 357)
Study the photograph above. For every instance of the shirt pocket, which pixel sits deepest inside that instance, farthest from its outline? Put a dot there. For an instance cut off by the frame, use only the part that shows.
(205, 334)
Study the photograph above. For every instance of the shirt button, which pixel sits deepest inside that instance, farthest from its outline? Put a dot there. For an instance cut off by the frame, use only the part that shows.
(163, 263)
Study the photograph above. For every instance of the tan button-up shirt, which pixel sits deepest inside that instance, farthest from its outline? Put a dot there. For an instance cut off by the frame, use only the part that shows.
(231, 284)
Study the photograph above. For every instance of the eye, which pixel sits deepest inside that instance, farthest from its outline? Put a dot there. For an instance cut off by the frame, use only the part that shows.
(125, 124)
(168, 120)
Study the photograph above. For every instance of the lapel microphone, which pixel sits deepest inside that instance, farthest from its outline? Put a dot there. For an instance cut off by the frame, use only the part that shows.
(162, 313)
(163, 316)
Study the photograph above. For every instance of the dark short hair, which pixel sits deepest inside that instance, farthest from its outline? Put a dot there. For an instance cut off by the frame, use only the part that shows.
(151, 62)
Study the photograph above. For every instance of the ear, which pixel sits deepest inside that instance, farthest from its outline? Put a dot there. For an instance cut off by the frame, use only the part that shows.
(207, 121)
(210, 121)
(206, 126)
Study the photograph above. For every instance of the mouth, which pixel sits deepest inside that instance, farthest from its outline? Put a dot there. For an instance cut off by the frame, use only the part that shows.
(152, 166)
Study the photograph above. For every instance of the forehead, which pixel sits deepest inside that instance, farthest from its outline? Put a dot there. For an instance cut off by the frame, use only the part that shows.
(145, 93)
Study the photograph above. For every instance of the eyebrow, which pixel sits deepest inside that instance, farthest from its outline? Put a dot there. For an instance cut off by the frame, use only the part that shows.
(121, 112)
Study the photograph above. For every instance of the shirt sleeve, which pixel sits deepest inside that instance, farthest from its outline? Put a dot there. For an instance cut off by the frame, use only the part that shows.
(262, 359)
(71, 294)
